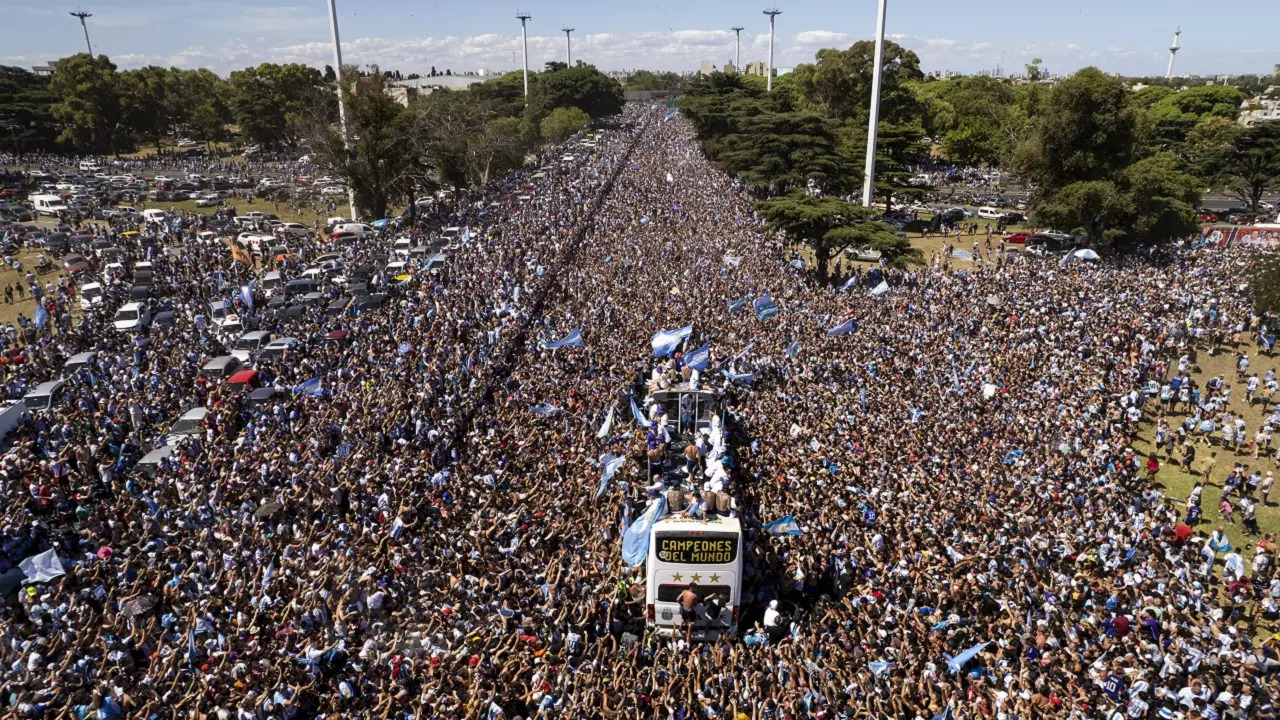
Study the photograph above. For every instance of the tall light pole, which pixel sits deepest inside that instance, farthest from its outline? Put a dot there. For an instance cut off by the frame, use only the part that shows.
(873, 123)
(524, 17)
(83, 16)
(772, 13)
(568, 42)
(737, 47)
(1173, 51)
(342, 109)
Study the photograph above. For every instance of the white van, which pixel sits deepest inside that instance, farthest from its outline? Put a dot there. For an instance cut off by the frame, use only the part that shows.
(155, 215)
(989, 213)
(352, 229)
(48, 205)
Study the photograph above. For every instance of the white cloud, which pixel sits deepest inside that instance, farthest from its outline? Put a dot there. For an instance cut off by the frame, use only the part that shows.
(825, 38)
(271, 36)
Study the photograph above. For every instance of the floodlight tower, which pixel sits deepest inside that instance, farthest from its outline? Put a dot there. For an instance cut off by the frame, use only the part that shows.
(524, 17)
(1173, 51)
(568, 42)
(768, 82)
(83, 16)
(737, 47)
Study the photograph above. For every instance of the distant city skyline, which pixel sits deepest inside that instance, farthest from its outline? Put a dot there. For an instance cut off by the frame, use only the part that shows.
(1130, 38)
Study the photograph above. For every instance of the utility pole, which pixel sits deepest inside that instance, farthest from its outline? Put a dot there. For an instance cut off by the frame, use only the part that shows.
(737, 47)
(524, 17)
(342, 109)
(83, 16)
(1173, 51)
(568, 44)
(869, 173)
(772, 13)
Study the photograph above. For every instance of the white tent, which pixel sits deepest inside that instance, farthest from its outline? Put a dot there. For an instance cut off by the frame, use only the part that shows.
(1085, 254)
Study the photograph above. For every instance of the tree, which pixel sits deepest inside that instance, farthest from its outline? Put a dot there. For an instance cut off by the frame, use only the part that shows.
(1208, 140)
(149, 102)
(204, 95)
(581, 86)
(505, 93)
(776, 152)
(376, 162)
(562, 123)
(646, 80)
(839, 83)
(898, 149)
(269, 100)
(464, 136)
(1093, 208)
(88, 102)
(26, 116)
(1163, 198)
(1151, 95)
(830, 225)
(1249, 163)
(1086, 132)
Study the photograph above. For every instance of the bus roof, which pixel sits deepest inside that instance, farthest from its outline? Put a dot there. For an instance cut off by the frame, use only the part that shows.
(686, 525)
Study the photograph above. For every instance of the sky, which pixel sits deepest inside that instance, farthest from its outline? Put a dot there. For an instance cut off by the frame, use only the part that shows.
(1130, 37)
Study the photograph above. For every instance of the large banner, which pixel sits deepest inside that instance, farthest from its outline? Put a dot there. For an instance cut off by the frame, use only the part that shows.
(1225, 235)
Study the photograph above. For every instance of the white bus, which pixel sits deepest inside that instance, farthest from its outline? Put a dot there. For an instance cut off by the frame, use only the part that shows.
(705, 555)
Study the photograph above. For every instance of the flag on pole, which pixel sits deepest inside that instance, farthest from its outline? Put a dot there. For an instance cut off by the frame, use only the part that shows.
(793, 349)
(544, 409)
(955, 663)
(742, 354)
(665, 342)
(608, 423)
(880, 289)
(42, 315)
(639, 416)
(736, 305)
(635, 541)
(785, 525)
(700, 358)
(740, 377)
(573, 339)
(853, 280)
(765, 307)
(843, 328)
(609, 465)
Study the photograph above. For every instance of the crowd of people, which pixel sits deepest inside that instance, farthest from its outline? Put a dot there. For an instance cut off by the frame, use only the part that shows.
(414, 527)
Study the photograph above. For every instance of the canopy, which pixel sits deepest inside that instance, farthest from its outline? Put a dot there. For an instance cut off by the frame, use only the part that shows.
(1085, 254)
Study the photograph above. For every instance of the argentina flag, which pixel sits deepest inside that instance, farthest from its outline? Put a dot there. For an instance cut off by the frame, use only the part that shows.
(785, 525)
(665, 342)
(843, 328)
(765, 307)
(700, 358)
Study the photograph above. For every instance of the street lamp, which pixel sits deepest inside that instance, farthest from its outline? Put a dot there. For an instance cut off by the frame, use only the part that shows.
(83, 16)
(568, 44)
(737, 47)
(873, 122)
(524, 17)
(342, 110)
(772, 13)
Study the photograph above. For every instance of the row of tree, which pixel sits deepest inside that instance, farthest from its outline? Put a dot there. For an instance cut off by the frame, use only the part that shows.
(450, 137)
(1115, 165)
